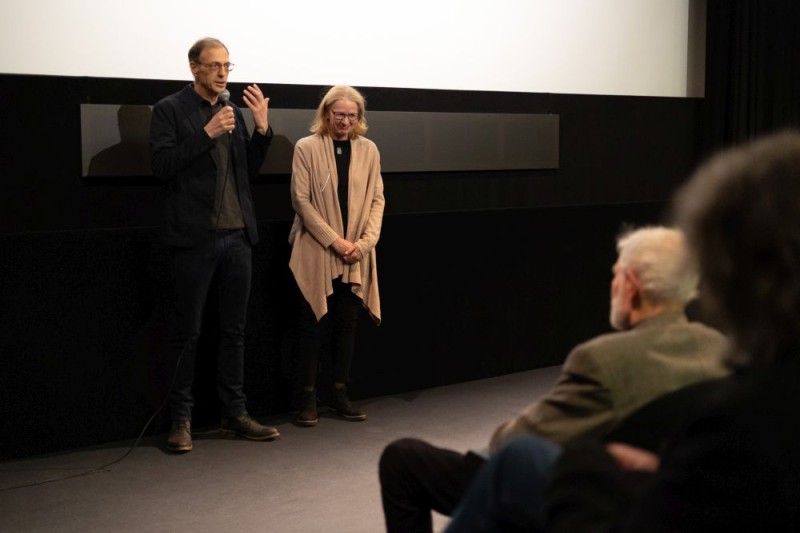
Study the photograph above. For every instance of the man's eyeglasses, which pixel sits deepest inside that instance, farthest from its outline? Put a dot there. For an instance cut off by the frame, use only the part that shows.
(216, 66)
(341, 116)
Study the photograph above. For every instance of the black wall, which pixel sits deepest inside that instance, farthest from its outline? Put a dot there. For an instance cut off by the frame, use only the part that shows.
(481, 273)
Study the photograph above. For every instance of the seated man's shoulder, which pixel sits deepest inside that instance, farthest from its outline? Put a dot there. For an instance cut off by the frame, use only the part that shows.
(614, 339)
(706, 331)
(598, 352)
(655, 332)
(692, 344)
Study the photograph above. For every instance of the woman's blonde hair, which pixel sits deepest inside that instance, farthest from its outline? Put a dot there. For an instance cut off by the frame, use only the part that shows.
(334, 94)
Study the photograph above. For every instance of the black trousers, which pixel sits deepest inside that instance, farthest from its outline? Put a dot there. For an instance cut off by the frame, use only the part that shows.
(417, 477)
(225, 255)
(337, 329)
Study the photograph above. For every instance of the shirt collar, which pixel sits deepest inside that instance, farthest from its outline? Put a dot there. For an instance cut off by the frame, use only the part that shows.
(661, 319)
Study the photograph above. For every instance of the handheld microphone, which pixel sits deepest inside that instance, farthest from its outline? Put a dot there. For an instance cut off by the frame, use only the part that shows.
(225, 95)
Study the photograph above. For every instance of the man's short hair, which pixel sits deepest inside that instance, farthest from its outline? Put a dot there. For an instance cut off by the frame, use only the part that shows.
(741, 214)
(659, 257)
(198, 47)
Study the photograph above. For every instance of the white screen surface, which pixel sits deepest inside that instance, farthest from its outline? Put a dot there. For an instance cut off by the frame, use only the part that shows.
(617, 47)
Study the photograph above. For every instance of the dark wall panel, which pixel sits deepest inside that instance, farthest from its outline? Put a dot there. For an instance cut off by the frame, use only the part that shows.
(612, 149)
(115, 140)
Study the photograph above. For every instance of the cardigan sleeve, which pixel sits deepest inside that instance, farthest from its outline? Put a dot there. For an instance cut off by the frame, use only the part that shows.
(303, 186)
(372, 230)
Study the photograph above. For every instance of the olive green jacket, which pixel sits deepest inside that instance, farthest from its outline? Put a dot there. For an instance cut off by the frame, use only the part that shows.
(605, 379)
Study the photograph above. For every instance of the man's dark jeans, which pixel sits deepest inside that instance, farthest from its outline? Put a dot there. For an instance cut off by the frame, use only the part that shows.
(225, 256)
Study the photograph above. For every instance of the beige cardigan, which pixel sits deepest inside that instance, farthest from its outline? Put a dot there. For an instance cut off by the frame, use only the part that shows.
(318, 221)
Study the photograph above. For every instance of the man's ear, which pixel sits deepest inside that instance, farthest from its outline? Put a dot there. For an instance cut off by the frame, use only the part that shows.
(633, 289)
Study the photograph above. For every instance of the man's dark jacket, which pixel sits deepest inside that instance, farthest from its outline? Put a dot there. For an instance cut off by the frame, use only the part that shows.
(183, 156)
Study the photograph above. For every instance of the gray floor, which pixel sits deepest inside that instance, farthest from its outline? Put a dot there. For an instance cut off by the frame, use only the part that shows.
(311, 479)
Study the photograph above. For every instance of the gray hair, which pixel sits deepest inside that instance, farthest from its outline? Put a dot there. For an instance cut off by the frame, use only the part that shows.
(659, 257)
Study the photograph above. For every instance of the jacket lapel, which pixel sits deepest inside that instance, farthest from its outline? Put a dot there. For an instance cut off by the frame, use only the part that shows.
(194, 114)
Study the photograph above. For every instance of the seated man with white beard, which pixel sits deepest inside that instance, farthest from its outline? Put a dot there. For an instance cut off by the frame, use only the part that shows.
(656, 350)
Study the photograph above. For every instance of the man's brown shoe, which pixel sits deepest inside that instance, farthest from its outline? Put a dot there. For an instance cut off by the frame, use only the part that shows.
(179, 438)
(245, 426)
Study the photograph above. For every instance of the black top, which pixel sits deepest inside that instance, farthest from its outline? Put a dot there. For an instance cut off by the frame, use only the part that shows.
(342, 151)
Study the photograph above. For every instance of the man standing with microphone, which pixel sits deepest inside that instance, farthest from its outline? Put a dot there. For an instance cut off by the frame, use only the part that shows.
(201, 150)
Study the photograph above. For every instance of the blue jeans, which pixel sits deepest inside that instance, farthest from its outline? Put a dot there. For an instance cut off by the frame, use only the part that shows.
(227, 255)
(507, 494)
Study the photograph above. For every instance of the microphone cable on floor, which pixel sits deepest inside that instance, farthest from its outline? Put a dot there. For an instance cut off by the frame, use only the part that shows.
(106, 466)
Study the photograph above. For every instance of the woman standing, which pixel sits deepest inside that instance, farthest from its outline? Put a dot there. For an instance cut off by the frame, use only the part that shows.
(337, 195)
